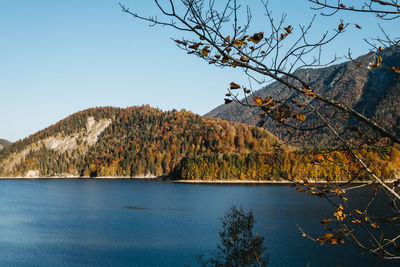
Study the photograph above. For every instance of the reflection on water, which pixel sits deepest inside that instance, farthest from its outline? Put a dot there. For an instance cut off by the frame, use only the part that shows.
(135, 208)
(150, 223)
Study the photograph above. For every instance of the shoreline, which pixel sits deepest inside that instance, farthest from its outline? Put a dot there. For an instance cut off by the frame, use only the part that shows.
(267, 182)
(183, 181)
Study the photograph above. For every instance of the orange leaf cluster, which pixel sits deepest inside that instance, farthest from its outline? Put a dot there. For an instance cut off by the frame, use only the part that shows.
(377, 64)
(288, 30)
(338, 191)
(301, 117)
(339, 214)
(195, 46)
(205, 51)
(258, 101)
(330, 238)
(256, 38)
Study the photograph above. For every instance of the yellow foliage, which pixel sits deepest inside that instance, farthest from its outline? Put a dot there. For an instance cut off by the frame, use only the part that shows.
(339, 214)
(258, 101)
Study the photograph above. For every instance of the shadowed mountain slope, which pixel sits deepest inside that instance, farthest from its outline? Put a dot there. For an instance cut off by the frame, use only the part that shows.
(372, 92)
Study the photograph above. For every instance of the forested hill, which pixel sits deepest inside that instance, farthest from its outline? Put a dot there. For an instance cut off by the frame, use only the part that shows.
(135, 141)
(4, 143)
(372, 92)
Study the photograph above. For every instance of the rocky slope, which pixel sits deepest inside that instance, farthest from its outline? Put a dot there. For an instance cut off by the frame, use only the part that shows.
(4, 143)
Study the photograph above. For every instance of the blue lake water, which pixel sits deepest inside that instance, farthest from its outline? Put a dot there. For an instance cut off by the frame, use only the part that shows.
(87, 223)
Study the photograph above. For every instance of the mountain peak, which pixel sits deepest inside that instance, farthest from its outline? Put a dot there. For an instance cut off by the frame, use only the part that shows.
(374, 93)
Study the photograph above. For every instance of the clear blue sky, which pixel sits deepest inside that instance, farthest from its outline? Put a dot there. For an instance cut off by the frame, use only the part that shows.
(59, 57)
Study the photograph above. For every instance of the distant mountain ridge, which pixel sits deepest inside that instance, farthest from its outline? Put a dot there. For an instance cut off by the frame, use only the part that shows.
(374, 93)
(4, 143)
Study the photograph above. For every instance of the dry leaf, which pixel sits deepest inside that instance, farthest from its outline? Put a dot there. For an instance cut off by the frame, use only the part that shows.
(256, 38)
(288, 29)
(205, 51)
(244, 59)
(181, 42)
(234, 86)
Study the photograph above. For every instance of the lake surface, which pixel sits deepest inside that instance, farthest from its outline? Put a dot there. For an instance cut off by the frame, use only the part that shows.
(87, 223)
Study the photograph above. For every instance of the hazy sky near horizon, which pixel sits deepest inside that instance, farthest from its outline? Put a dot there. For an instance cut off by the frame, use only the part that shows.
(60, 57)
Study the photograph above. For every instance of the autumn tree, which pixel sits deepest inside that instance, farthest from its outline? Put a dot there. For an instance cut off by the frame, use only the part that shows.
(222, 34)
